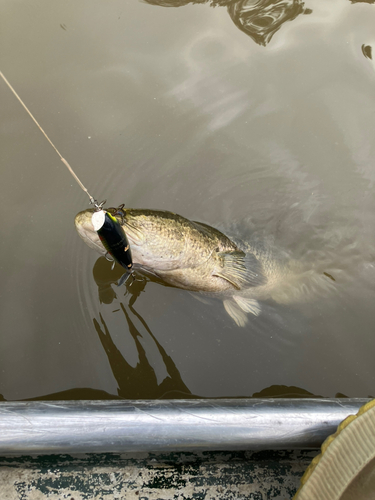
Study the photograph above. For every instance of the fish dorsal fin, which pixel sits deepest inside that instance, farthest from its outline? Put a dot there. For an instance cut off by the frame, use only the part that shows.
(201, 225)
(209, 230)
(240, 269)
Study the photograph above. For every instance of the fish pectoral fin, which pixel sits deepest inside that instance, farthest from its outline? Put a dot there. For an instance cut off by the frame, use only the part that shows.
(234, 311)
(248, 305)
(227, 278)
(240, 269)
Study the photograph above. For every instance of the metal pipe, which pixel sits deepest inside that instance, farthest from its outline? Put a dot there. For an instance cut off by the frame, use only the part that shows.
(164, 425)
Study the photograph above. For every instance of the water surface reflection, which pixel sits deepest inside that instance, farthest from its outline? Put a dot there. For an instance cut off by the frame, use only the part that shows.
(88, 394)
(367, 51)
(259, 19)
(140, 381)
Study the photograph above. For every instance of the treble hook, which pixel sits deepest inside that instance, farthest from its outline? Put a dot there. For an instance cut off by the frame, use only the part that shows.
(140, 280)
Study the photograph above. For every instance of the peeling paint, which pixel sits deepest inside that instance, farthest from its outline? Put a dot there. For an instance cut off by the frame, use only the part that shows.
(182, 476)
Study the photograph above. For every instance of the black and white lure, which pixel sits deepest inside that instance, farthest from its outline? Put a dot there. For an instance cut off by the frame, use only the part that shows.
(114, 240)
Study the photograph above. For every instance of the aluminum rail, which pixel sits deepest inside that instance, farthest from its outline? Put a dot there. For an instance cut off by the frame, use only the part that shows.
(179, 425)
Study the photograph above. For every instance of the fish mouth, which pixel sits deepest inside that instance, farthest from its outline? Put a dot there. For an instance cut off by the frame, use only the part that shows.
(87, 232)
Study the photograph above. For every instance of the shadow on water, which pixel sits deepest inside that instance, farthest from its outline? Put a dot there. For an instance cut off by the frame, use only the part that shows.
(140, 382)
(259, 19)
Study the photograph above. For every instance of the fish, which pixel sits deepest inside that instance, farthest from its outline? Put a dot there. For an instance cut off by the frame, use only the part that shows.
(194, 256)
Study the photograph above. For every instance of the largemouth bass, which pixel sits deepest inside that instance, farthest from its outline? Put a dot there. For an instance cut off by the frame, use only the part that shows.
(197, 257)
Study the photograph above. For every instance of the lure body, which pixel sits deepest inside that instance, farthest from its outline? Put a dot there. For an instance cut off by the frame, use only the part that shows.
(114, 240)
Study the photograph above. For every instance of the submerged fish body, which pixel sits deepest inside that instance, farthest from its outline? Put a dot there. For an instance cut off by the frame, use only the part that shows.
(196, 257)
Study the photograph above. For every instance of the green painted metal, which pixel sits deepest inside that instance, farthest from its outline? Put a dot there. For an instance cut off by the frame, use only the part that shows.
(186, 476)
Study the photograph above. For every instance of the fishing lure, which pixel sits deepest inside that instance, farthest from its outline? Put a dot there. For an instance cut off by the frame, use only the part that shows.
(114, 240)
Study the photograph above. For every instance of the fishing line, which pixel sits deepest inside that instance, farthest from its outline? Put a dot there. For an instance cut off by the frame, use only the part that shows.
(109, 230)
(92, 199)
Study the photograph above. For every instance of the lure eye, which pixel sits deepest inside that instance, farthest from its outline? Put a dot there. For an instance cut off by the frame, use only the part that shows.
(98, 219)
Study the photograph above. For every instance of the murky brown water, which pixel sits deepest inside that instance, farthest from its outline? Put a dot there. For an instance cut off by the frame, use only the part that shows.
(250, 116)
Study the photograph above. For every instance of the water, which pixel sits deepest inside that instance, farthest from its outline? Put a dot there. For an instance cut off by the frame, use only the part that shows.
(251, 121)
